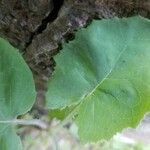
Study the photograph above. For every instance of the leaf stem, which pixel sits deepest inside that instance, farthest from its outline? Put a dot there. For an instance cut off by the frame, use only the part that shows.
(34, 122)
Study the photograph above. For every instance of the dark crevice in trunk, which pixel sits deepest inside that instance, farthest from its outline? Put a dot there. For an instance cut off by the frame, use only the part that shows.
(50, 18)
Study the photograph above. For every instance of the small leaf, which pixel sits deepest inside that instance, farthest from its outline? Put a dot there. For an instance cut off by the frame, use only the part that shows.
(17, 93)
(60, 114)
(106, 71)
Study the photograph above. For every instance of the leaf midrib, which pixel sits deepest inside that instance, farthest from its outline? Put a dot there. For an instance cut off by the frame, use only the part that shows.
(108, 74)
(76, 109)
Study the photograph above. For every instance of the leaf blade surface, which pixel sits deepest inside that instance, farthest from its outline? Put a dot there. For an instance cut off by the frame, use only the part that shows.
(106, 69)
(17, 92)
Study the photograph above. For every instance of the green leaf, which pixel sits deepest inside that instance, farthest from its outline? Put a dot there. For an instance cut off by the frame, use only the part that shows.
(60, 114)
(17, 93)
(106, 71)
(9, 140)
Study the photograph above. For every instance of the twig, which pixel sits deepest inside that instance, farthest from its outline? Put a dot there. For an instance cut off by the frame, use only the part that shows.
(34, 122)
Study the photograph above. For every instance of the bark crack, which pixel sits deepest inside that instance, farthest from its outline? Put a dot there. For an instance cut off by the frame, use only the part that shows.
(50, 18)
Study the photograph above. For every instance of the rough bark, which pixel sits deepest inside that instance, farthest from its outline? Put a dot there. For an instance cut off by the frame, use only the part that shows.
(19, 20)
(73, 15)
(39, 27)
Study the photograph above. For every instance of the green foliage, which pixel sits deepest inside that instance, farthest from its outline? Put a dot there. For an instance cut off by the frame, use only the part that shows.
(106, 71)
(60, 114)
(17, 93)
(102, 79)
(9, 140)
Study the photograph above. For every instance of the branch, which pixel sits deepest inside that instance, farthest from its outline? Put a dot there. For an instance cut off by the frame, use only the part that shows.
(34, 122)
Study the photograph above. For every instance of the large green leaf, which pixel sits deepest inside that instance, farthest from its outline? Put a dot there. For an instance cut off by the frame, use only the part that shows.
(17, 93)
(9, 140)
(106, 71)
